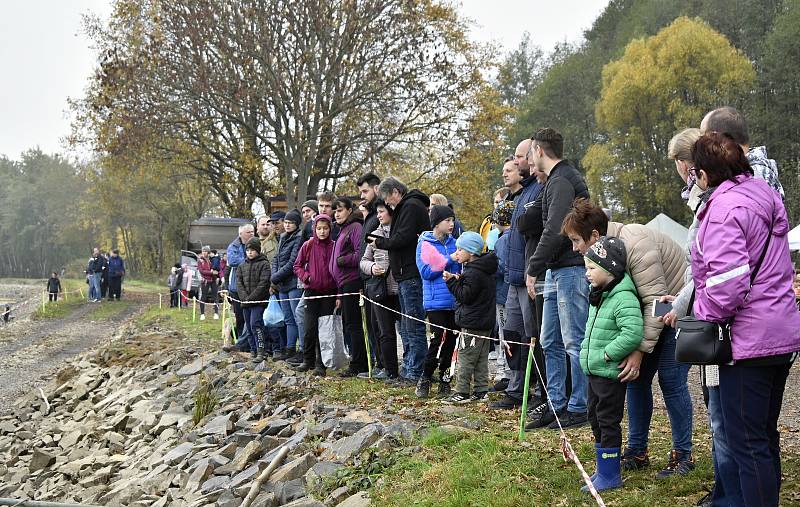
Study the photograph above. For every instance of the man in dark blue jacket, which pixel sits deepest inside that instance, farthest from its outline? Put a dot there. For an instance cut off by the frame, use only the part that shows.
(520, 322)
(116, 271)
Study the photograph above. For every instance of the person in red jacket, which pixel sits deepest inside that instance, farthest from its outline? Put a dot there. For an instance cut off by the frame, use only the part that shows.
(311, 268)
(209, 283)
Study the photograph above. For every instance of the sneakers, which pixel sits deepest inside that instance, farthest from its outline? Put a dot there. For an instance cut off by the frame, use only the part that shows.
(481, 397)
(457, 398)
(280, 355)
(539, 417)
(569, 420)
(377, 374)
(348, 373)
(444, 390)
(216, 316)
(400, 382)
(423, 388)
(500, 386)
(202, 316)
(506, 403)
(295, 357)
(680, 463)
(635, 459)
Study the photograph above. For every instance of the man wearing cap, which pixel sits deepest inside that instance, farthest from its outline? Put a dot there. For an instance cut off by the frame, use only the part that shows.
(208, 283)
(270, 229)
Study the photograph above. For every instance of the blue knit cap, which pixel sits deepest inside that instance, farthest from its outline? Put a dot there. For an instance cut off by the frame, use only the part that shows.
(471, 242)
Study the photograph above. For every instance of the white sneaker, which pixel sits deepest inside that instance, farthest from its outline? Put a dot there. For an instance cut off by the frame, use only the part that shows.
(216, 316)
(203, 316)
(492, 356)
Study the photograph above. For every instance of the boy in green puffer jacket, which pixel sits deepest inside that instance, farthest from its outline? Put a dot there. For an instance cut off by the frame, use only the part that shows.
(614, 330)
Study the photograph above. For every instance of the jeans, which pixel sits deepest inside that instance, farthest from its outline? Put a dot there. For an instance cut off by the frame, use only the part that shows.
(254, 322)
(672, 380)
(94, 285)
(208, 294)
(565, 311)
(415, 343)
(751, 399)
(727, 490)
(289, 310)
(276, 339)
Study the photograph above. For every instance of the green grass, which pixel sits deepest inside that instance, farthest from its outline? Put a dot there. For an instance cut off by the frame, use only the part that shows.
(455, 467)
(109, 309)
(142, 286)
(65, 305)
(181, 320)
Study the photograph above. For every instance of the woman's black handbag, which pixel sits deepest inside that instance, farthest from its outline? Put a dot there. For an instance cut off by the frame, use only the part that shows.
(376, 288)
(702, 342)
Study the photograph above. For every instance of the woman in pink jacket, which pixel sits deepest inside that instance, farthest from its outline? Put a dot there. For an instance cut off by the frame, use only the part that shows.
(765, 336)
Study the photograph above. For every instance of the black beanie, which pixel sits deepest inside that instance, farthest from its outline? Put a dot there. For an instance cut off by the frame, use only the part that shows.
(609, 254)
(439, 213)
(254, 244)
(293, 216)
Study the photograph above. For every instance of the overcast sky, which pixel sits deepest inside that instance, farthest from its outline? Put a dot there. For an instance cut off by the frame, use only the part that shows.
(46, 58)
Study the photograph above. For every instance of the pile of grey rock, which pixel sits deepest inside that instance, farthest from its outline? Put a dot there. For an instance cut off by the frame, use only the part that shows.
(112, 435)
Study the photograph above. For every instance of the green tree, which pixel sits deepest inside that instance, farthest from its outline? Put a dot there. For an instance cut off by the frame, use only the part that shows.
(661, 85)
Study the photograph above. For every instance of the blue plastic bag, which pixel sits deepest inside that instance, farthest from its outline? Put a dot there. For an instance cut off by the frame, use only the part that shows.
(273, 315)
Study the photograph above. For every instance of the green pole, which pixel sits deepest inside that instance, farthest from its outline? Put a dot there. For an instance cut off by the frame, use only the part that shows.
(366, 334)
(525, 393)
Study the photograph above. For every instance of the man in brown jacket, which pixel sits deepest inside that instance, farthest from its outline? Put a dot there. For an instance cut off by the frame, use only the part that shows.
(656, 264)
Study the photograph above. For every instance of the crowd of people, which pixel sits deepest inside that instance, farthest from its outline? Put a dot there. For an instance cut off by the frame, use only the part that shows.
(104, 274)
(550, 274)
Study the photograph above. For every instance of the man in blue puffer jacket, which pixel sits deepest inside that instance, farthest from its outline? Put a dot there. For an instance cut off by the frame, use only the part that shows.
(520, 322)
(434, 249)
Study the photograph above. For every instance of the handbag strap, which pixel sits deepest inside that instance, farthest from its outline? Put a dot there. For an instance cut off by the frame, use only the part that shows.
(754, 271)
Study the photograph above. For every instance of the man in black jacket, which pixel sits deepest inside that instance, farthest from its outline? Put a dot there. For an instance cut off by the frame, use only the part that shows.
(409, 220)
(566, 291)
(368, 188)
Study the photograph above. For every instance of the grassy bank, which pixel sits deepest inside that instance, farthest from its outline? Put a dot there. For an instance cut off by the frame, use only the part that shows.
(209, 330)
(66, 304)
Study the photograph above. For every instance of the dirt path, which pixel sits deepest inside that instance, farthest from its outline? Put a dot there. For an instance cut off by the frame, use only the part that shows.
(32, 351)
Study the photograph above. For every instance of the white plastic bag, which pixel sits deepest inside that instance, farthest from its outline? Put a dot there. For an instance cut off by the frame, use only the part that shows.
(273, 314)
(331, 341)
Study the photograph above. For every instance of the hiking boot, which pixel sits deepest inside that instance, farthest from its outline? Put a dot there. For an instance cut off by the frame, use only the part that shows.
(348, 373)
(540, 417)
(444, 390)
(280, 355)
(423, 388)
(680, 463)
(319, 371)
(295, 357)
(457, 398)
(302, 367)
(500, 386)
(635, 459)
(506, 403)
(231, 348)
(569, 420)
(481, 397)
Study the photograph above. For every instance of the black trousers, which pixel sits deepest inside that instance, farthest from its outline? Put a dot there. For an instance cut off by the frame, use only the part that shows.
(52, 296)
(315, 308)
(385, 321)
(606, 404)
(208, 294)
(114, 287)
(353, 325)
(442, 344)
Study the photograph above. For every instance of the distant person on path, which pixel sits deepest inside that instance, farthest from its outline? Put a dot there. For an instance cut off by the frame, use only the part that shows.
(95, 268)
(116, 272)
(53, 287)
(174, 283)
(208, 282)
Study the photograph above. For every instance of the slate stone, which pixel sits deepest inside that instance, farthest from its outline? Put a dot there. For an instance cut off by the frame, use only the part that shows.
(41, 460)
(358, 500)
(178, 454)
(345, 449)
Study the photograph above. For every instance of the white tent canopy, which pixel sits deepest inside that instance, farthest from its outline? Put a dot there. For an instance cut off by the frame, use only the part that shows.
(664, 224)
(794, 239)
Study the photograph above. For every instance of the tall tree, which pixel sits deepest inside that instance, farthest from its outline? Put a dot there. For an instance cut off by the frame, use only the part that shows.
(661, 85)
(298, 92)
